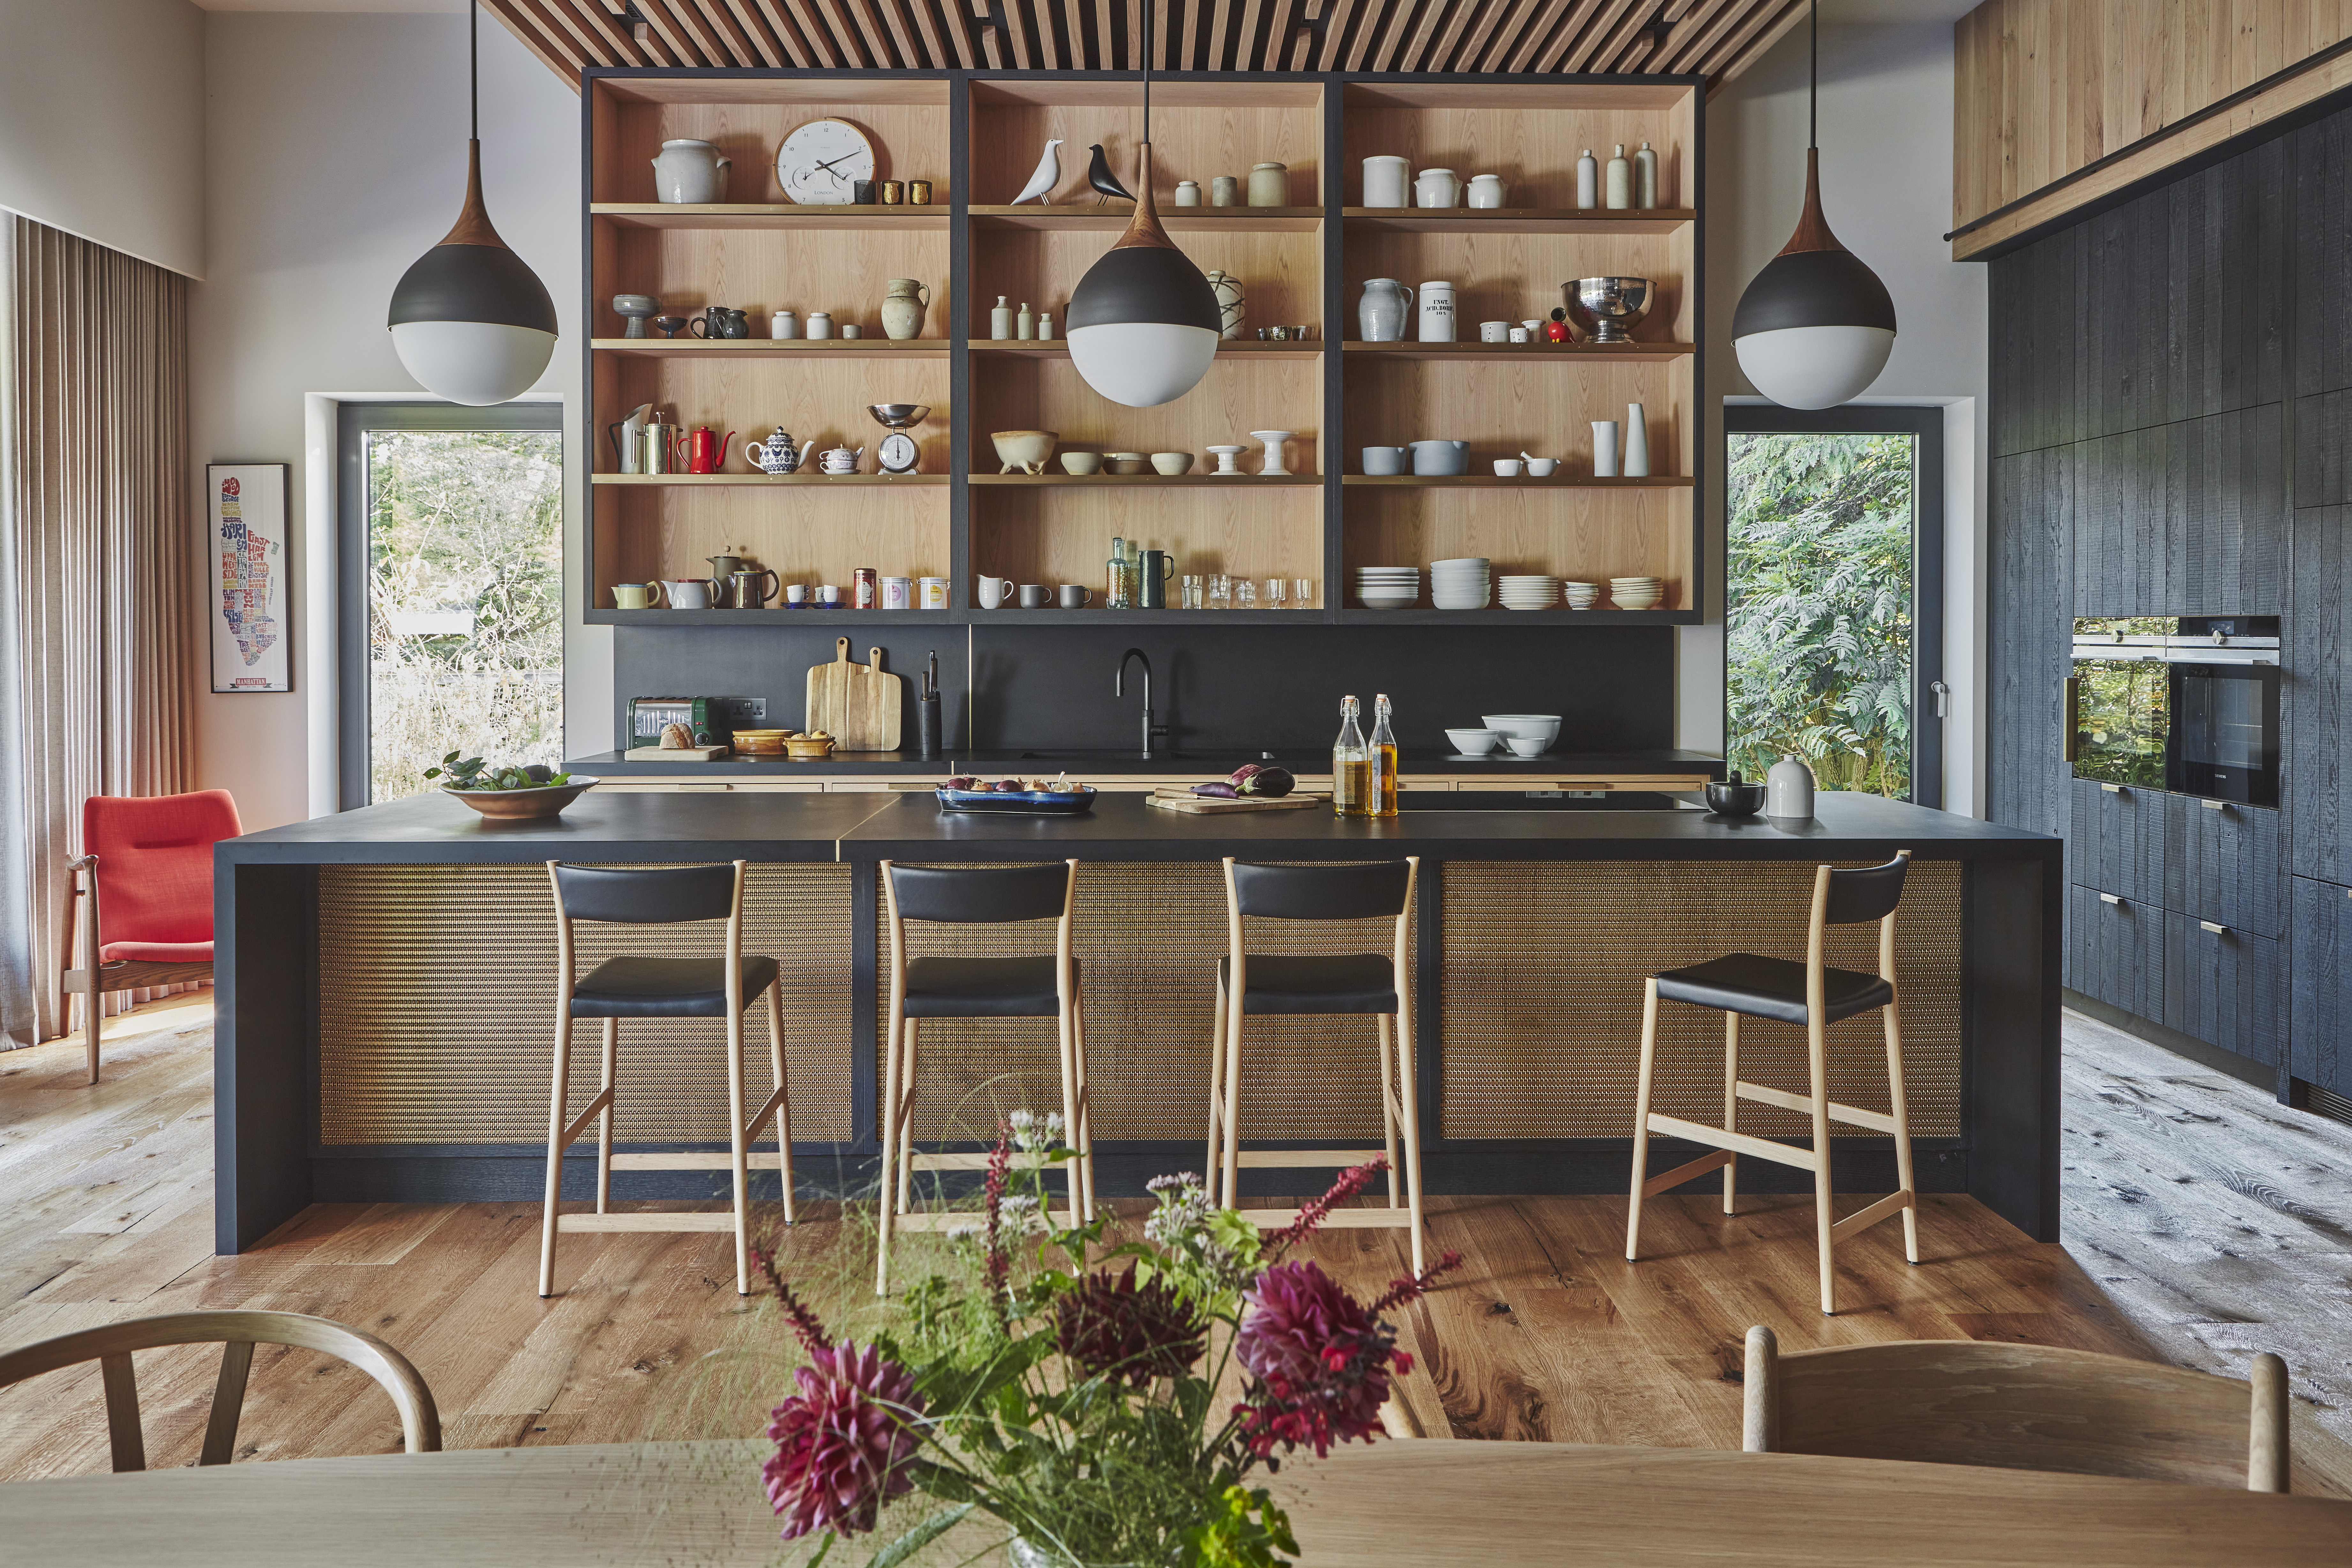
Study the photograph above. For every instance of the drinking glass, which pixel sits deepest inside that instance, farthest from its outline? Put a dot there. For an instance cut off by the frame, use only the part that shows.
(1244, 594)
(1275, 591)
(1221, 591)
(1192, 593)
(1302, 592)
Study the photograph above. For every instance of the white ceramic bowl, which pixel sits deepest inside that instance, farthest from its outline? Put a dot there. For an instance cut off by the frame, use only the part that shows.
(1388, 601)
(1543, 727)
(1474, 743)
(1523, 746)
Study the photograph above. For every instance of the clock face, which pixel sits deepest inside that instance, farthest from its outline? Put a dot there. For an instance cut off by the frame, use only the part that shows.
(820, 162)
(899, 452)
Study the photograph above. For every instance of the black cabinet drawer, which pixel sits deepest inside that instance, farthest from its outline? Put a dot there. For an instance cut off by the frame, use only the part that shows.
(2114, 950)
(2120, 839)
(2321, 1011)
(2221, 986)
(2222, 864)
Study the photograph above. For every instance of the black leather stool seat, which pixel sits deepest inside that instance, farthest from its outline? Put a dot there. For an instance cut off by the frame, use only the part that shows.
(984, 987)
(1772, 988)
(665, 988)
(1347, 982)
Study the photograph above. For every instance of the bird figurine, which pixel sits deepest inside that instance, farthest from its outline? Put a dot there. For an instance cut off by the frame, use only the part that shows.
(1099, 176)
(1049, 175)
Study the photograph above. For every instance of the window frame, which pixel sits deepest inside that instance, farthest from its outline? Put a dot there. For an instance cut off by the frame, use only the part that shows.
(1924, 423)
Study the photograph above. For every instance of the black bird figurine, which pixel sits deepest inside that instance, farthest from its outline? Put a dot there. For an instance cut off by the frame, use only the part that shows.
(1099, 176)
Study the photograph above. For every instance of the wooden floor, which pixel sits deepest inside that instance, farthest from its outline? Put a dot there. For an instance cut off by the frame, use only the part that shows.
(2204, 1223)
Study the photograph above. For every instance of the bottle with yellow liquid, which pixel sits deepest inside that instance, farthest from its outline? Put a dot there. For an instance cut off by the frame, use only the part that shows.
(1384, 759)
(1351, 766)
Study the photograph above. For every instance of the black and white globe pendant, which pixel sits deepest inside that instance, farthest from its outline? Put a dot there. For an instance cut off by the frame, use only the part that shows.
(1143, 322)
(471, 321)
(1815, 326)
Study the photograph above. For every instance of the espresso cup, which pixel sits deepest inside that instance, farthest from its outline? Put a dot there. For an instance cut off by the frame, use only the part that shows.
(995, 592)
(829, 595)
(796, 595)
(1493, 331)
(1075, 596)
(632, 596)
(1036, 596)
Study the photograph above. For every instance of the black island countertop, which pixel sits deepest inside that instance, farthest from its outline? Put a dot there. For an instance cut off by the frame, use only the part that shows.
(1205, 765)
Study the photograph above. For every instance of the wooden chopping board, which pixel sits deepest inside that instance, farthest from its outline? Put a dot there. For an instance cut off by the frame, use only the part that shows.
(857, 704)
(1192, 805)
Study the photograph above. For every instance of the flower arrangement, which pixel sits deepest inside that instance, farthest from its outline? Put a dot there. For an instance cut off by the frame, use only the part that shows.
(1077, 1404)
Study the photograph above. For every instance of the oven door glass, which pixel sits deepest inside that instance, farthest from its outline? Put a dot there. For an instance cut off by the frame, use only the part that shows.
(2122, 713)
(2225, 732)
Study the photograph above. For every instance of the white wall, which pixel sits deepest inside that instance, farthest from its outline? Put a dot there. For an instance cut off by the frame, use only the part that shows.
(1886, 181)
(101, 123)
(335, 156)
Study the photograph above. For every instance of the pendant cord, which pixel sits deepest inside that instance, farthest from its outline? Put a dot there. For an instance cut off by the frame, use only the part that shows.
(474, 69)
(1813, 84)
(1147, 72)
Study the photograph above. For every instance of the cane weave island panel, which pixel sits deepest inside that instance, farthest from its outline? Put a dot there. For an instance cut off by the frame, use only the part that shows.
(1148, 938)
(437, 1009)
(1542, 988)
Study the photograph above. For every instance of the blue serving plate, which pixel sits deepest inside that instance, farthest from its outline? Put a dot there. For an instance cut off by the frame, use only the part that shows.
(1017, 803)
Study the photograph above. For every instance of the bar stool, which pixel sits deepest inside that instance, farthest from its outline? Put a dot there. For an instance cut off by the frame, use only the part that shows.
(1815, 995)
(639, 987)
(1042, 986)
(1351, 983)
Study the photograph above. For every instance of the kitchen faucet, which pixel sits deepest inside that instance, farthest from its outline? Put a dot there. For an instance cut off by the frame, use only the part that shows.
(1151, 732)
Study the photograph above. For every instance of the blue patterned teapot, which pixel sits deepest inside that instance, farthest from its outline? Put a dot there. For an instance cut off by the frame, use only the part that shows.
(777, 455)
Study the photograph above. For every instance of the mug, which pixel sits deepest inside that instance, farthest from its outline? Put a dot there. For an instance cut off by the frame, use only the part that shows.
(687, 593)
(994, 594)
(1152, 577)
(934, 593)
(633, 596)
(796, 595)
(829, 595)
(897, 592)
(1494, 331)
(1075, 596)
(1036, 596)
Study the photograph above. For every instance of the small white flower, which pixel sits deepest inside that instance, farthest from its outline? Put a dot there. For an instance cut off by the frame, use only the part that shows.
(1033, 1134)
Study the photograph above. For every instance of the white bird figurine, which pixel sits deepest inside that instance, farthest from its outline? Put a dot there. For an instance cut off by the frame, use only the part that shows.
(1049, 175)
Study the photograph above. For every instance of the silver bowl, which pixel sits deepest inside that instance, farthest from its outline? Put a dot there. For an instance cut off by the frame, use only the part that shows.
(1607, 308)
(899, 415)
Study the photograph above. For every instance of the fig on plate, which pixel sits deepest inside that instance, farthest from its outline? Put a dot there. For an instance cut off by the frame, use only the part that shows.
(1008, 786)
(962, 781)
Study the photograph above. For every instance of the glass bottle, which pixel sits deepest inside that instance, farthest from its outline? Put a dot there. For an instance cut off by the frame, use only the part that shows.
(1116, 578)
(1351, 766)
(1383, 756)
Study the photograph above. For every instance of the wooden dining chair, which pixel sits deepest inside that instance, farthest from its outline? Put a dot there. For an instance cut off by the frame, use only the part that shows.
(236, 1332)
(2019, 1407)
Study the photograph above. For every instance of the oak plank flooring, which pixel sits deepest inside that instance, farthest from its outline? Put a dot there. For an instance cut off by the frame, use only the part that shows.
(2204, 1223)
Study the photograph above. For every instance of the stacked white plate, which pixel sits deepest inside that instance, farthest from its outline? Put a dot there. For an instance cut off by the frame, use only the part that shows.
(1463, 583)
(1636, 593)
(1531, 592)
(1388, 587)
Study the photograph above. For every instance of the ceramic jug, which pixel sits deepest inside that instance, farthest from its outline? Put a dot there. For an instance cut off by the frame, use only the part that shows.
(1437, 188)
(1379, 314)
(1387, 180)
(1231, 310)
(1441, 458)
(1437, 312)
(902, 308)
(690, 172)
(776, 455)
(688, 593)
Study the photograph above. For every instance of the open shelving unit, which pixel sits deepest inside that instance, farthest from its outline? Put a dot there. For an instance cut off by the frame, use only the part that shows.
(977, 135)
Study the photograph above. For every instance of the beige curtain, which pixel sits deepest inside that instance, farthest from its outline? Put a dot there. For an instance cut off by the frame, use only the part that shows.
(98, 516)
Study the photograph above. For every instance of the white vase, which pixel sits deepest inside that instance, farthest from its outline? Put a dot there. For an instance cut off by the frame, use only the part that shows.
(1437, 313)
(1789, 790)
(1588, 180)
(1388, 182)
(1604, 448)
(1637, 443)
(1232, 310)
(1621, 180)
(688, 172)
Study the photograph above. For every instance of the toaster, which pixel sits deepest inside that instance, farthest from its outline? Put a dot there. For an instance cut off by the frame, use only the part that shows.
(704, 716)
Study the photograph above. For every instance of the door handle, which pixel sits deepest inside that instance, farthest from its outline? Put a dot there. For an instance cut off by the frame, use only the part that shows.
(1943, 694)
(2210, 926)
(2109, 898)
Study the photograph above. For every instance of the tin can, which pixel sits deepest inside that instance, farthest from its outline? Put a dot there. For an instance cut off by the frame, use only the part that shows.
(864, 589)
(894, 193)
(919, 193)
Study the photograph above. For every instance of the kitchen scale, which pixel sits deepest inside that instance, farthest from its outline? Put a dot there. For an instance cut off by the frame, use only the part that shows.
(899, 454)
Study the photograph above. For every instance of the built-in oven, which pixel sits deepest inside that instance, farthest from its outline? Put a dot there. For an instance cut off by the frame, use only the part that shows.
(2188, 704)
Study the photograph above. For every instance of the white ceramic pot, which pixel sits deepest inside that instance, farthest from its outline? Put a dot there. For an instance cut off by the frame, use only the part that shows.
(1789, 789)
(1486, 191)
(1231, 310)
(1269, 185)
(690, 172)
(1436, 313)
(1388, 182)
(1437, 188)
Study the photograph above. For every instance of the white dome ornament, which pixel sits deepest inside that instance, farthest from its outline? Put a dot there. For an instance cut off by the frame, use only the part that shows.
(1815, 327)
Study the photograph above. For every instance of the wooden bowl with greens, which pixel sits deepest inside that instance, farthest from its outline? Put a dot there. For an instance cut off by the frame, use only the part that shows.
(512, 794)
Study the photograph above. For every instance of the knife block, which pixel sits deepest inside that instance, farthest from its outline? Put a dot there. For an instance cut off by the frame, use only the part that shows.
(927, 729)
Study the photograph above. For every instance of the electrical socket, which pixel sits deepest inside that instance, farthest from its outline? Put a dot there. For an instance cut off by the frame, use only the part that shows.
(741, 709)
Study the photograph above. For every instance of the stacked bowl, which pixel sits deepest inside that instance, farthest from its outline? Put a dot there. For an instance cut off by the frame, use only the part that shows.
(1531, 592)
(1461, 584)
(1636, 593)
(1388, 587)
(1581, 595)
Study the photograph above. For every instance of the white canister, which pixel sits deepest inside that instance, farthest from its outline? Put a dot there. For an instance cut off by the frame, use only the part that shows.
(690, 170)
(897, 592)
(1494, 331)
(820, 323)
(1388, 180)
(1637, 443)
(1188, 192)
(1437, 188)
(1437, 313)
(1604, 448)
(1789, 790)
(1485, 190)
(784, 324)
(934, 593)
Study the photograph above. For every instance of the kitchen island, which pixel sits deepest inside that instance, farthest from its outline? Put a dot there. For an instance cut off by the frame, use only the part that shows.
(387, 981)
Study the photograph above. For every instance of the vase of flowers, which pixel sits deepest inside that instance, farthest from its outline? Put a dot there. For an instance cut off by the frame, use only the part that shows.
(1072, 1393)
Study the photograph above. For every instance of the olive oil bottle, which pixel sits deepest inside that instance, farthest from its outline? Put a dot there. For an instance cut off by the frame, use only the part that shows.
(1384, 759)
(1351, 766)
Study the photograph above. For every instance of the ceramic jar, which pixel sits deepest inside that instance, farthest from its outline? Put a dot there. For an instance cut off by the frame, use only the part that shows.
(820, 323)
(1232, 310)
(784, 324)
(1269, 185)
(1379, 314)
(1222, 190)
(1437, 188)
(1387, 182)
(690, 172)
(903, 302)
(1437, 312)
(1188, 192)
(1789, 790)
(1485, 190)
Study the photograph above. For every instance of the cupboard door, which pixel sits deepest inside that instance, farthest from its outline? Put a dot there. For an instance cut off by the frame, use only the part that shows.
(2223, 864)
(2121, 838)
(2116, 951)
(2221, 986)
(2322, 1005)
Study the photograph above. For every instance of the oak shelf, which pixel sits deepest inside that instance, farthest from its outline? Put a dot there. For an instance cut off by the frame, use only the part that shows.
(1520, 482)
(771, 615)
(766, 214)
(1230, 481)
(1519, 220)
(1563, 353)
(774, 348)
(1059, 348)
(1113, 215)
(1355, 615)
(836, 482)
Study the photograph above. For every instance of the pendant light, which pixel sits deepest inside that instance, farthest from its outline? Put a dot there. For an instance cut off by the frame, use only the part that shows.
(1143, 324)
(1816, 325)
(471, 321)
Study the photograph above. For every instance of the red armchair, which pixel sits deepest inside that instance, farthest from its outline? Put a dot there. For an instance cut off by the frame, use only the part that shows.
(148, 866)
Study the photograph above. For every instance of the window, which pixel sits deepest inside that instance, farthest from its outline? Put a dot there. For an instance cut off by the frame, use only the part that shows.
(1833, 595)
(451, 625)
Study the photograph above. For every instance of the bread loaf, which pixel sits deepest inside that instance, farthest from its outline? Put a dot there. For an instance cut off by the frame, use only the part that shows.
(676, 737)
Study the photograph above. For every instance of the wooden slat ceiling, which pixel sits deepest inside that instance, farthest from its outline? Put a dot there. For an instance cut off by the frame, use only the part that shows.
(1715, 38)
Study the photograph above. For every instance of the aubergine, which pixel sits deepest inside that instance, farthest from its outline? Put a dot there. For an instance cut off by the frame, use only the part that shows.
(1254, 778)
(1217, 791)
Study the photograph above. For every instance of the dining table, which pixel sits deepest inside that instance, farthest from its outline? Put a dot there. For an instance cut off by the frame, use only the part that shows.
(1429, 1503)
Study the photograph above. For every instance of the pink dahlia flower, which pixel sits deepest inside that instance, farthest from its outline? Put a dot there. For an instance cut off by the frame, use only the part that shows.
(1320, 1363)
(842, 1442)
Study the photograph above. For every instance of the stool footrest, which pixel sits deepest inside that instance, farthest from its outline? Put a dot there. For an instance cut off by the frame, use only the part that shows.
(972, 1161)
(700, 1159)
(723, 1220)
(580, 1123)
(1280, 1159)
(1337, 1219)
(948, 1219)
(1691, 1171)
(1886, 1207)
(1853, 1116)
(1737, 1142)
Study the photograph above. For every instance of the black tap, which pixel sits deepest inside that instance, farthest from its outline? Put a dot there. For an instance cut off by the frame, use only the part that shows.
(1152, 732)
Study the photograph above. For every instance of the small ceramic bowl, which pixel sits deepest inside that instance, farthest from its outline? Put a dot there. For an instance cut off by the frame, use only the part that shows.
(1506, 468)
(1541, 467)
(759, 743)
(1173, 463)
(1082, 462)
(1474, 743)
(1023, 449)
(1127, 462)
(1743, 799)
(806, 750)
(1527, 745)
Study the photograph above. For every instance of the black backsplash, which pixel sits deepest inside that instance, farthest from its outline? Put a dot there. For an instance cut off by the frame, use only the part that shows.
(1218, 688)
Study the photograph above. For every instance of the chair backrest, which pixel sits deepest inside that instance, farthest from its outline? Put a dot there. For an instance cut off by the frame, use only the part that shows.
(155, 861)
(1323, 893)
(2023, 1407)
(979, 895)
(656, 896)
(236, 1332)
(1866, 893)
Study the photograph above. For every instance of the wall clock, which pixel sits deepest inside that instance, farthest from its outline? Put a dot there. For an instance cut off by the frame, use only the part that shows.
(820, 162)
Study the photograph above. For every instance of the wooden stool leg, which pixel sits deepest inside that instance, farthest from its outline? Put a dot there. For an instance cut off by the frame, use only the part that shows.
(93, 1004)
(891, 1035)
(1388, 1108)
(555, 1101)
(784, 1104)
(1817, 1063)
(1642, 1118)
(1213, 1162)
(738, 1153)
(1902, 1133)
(1731, 1110)
(604, 1119)
(1411, 1118)
(1082, 1132)
(1065, 1030)
(907, 1121)
(1231, 1155)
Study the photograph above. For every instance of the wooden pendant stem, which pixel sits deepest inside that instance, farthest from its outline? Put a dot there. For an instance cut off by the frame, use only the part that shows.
(473, 226)
(1813, 228)
(1144, 228)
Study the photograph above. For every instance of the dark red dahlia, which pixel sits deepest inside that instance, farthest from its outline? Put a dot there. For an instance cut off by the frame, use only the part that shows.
(1318, 1363)
(842, 1442)
(1112, 1327)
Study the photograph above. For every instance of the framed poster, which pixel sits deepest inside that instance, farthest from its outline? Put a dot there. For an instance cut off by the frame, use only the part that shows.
(252, 601)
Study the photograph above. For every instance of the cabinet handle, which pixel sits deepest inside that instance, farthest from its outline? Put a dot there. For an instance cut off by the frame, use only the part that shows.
(2113, 789)
(2209, 925)
(2214, 805)
(2109, 898)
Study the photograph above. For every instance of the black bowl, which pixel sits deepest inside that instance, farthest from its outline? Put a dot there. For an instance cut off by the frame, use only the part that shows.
(1734, 799)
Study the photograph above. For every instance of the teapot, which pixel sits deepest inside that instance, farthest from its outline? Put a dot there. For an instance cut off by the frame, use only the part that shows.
(629, 439)
(688, 593)
(703, 450)
(777, 455)
(840, 460)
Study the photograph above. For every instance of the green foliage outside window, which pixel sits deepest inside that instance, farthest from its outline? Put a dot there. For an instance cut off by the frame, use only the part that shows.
(1819, 612)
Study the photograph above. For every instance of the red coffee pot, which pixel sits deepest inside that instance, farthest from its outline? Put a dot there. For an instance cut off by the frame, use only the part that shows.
(703, 450)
